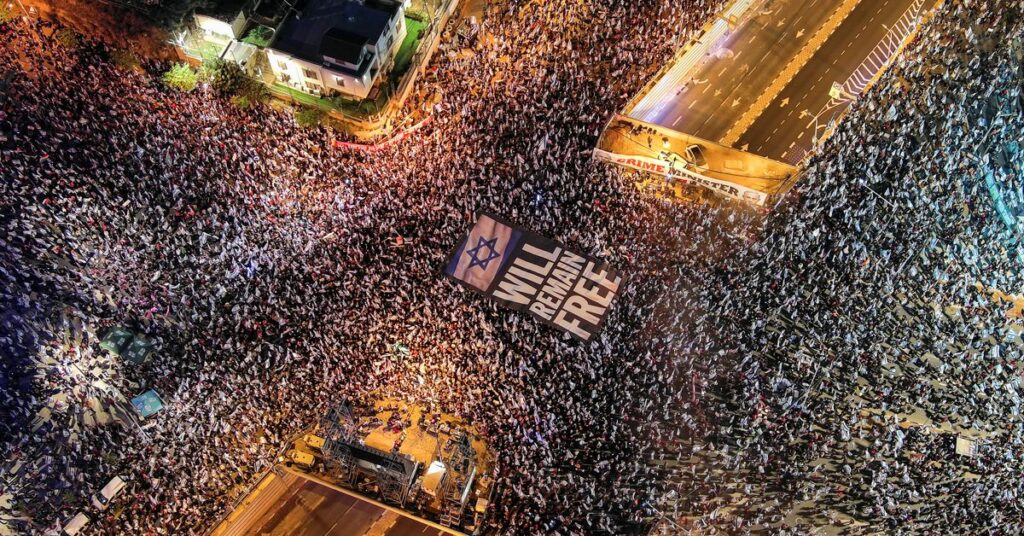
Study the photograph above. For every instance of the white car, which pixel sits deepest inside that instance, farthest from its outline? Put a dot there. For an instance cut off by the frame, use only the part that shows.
(101, 500)
(76, 525)
(695, 157)
(692, 158)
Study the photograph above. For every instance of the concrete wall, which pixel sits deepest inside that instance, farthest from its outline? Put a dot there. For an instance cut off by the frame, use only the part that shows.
(292, 68)
(214, 26)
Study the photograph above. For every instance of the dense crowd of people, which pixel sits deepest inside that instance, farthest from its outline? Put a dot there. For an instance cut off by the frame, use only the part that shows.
(870, 337)
(809, 368)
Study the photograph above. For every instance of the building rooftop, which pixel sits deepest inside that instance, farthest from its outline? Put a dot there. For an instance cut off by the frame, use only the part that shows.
(343, 45)
(334, 28)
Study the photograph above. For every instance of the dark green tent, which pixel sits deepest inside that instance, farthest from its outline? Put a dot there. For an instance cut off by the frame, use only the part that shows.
(139, 350)
(117, 340)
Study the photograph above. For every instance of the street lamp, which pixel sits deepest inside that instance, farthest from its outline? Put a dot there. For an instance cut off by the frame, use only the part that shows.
(837, 92)
(837, 97)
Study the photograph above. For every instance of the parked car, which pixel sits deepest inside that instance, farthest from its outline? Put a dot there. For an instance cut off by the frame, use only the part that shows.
(695, 156)
(101, 500)
(75, 526)
(692, 158)
(302, 460)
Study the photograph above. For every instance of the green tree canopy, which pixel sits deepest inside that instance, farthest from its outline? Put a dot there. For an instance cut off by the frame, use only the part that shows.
(259, 36)
(307, 117)
(7, 13)
(228, 78)
(167, 14)
(181, 77)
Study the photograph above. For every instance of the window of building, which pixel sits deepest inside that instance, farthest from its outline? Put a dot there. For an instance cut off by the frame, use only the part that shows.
(283, 65)
(310, 74)
(339, 81)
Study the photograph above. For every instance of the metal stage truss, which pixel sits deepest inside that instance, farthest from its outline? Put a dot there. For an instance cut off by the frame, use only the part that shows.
(347, 458)
(460, 461)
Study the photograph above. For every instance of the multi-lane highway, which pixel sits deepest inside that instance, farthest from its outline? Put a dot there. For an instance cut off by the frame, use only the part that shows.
(786, 128)
(766, 87)
(741, 68)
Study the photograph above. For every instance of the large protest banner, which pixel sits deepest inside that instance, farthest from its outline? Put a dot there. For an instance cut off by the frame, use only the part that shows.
(526, 271)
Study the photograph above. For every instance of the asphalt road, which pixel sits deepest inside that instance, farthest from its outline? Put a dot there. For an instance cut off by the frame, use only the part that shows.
(295, 506)
(748, 61)
(785, 130)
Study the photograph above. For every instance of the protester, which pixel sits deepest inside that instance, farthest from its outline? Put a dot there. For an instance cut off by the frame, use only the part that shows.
(778, 373)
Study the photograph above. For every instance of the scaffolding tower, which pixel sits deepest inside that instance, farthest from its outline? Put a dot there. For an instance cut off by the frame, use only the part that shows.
(339, 423)
(460, 461)
(391, 484)
(338, 427)
(348, 459)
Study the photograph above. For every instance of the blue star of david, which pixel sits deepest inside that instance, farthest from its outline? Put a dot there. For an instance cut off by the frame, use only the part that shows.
(474, 254)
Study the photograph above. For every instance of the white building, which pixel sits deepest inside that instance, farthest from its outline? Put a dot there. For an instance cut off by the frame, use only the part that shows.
(328, 47)
(219, 27)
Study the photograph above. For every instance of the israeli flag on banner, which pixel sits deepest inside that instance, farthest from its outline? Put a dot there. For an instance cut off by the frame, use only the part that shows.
(485, 250)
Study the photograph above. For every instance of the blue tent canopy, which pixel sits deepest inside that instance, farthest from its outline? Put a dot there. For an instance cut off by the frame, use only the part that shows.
(148, 403)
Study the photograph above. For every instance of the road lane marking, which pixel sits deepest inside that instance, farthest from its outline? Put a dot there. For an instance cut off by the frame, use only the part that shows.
(280, 504)
(741, 125)
(318, 481)
(332, 528)
(256, 505)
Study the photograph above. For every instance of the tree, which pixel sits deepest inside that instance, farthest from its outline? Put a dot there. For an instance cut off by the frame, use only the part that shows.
(228, 78)
(225, 77)
(259, 36)
(181, 77)
(66, 37)
(7, 13)
(167, 14)
(125, 59)
(254, 91)
(309, 117)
